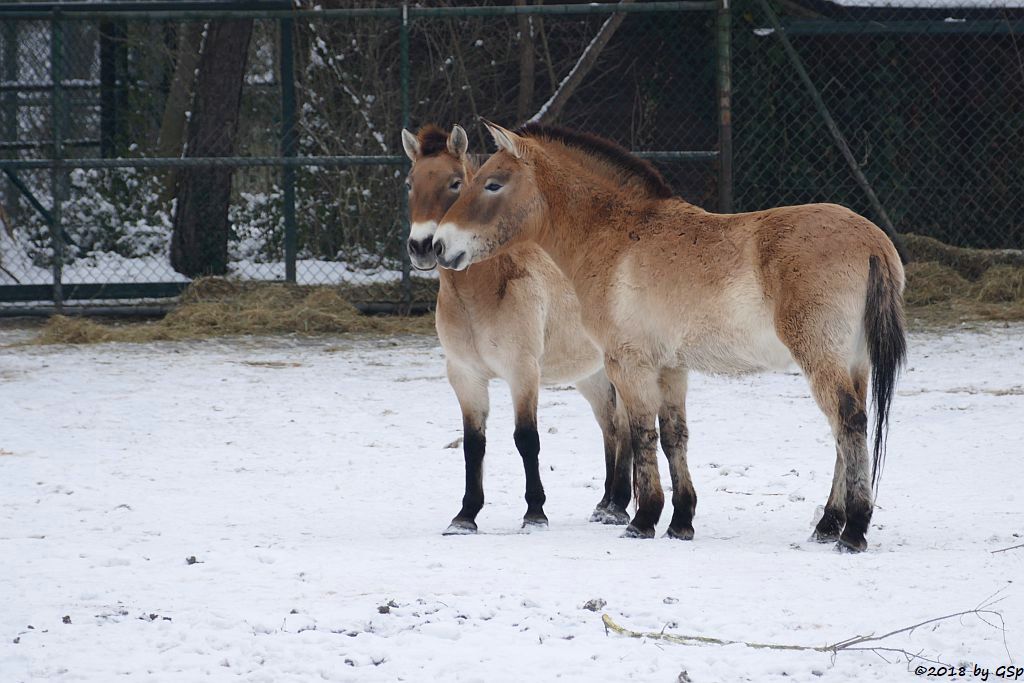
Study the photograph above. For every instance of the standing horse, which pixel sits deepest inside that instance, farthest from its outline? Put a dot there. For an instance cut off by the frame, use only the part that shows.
(514, 317)
(667, 287)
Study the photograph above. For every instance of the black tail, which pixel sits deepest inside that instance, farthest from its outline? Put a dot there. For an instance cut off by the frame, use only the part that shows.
(887, 349)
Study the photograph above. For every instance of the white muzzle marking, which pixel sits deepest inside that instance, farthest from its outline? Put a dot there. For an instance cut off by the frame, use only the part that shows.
(454, 246)
(421, 230)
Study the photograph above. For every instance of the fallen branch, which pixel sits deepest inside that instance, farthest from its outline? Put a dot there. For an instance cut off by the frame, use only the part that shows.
(550, 110)
(1012, 547)
(855, 643)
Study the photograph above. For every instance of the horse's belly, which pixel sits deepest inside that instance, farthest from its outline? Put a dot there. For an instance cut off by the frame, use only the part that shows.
(749, 350)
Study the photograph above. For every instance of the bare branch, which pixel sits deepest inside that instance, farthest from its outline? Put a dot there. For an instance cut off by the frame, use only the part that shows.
(856, 643)
(550, 110)
(1012, 547)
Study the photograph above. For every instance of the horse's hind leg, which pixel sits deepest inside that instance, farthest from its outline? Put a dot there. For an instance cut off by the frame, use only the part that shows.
(833, 519)
(525, 386)
(610, 415)
(674, 439)
(474, 400)
(842, 399)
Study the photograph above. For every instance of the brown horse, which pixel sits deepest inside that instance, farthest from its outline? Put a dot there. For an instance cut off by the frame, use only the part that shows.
(515, 318)
(667, 287)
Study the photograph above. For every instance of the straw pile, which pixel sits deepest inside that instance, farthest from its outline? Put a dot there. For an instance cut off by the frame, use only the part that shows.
(212, 307)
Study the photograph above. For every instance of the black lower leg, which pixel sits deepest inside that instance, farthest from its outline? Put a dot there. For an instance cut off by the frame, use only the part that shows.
(830, 524)
(528, 442)
(650, 498)
(622, 483)
(852, 441)
(473, 445)
(674, 440)
(609, 470)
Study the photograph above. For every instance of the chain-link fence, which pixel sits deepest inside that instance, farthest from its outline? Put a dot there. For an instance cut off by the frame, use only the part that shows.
(127, 128)
(927, 94)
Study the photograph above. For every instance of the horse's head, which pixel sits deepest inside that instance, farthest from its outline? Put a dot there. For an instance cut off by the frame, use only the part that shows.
(498, 206)
(439, 170)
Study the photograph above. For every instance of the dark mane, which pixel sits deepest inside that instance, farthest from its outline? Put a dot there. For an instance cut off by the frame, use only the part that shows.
(433, 140)
(614, 154)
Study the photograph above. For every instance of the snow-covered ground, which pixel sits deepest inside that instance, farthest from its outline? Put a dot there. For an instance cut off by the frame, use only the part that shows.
(310, 481)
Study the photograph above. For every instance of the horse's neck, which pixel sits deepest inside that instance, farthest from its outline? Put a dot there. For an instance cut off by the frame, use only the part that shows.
(576, 219)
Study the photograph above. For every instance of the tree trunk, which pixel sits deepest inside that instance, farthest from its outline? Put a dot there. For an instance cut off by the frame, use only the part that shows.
(172, 125)
(526, 64)
(199, 244)
(111, 91)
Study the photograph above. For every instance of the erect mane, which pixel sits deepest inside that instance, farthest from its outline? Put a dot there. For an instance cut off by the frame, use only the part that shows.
(614, 154)
(433, 140)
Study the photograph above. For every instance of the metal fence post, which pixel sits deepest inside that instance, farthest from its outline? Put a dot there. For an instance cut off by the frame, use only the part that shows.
(288, 144)
(10, 106)
(58, 174)
(724, 81)
(406, 264)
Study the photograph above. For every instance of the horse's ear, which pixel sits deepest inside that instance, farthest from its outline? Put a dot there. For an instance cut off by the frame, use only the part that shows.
(506, 139)
(458, 141)
(411, 145)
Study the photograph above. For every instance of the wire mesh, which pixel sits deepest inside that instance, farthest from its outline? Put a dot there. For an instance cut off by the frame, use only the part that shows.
(929, 95)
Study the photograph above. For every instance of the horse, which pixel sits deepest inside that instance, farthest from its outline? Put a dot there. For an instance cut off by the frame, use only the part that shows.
(514, 317)
(667, 288)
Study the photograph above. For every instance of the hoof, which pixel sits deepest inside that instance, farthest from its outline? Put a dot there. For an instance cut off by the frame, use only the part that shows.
(460, 527)
(851, 545)
(612, 514)
(633, 532)
(535, 523)
(823, 536)
(684, 534)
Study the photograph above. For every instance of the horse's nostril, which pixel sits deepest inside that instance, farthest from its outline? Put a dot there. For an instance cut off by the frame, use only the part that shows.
(438, 248)
(419, 247)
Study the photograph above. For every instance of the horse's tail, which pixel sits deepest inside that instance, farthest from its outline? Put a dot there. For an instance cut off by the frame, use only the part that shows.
(887, 348)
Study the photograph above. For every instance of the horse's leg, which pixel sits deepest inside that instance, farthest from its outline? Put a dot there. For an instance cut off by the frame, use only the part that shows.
(833, 519)
(600, 393)
(471, 390)
(622, 483)
(525, 386)
(843, 400)
(637, 385)
(674, 437)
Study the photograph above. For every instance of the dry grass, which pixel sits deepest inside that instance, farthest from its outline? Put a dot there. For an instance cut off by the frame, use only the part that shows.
(949, 285)
(970, 263)
(213, 307)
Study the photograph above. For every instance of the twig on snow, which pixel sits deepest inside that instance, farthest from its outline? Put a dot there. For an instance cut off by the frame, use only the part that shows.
(861, 643)
(1012, 547)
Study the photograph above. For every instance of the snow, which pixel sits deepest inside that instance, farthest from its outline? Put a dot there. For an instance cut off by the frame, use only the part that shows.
(310, 481)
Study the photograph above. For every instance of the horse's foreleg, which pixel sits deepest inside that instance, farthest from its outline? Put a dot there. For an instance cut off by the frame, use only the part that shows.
(637, 385)
(525, 387)
(674, 438)
(474, 400)
(600, 393)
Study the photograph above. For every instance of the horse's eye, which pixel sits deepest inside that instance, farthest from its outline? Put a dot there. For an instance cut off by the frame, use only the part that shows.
(492, 187)
(456, 185)
(408, 186)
